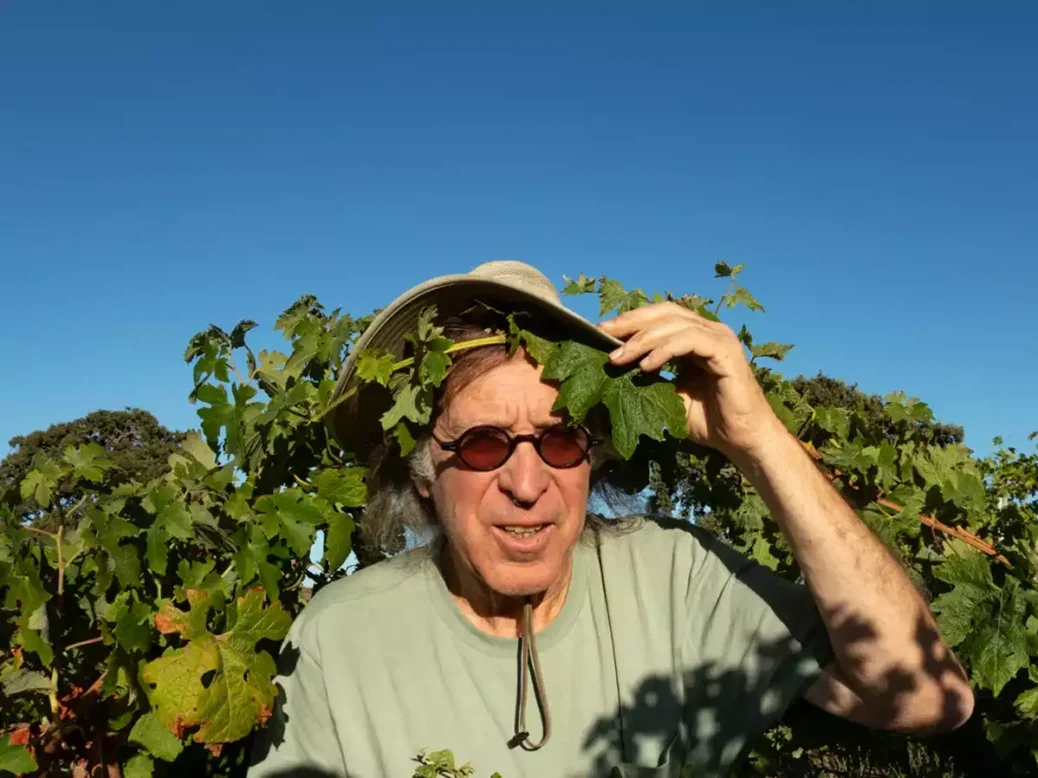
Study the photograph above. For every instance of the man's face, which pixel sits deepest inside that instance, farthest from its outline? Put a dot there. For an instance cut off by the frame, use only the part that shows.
(474, 508)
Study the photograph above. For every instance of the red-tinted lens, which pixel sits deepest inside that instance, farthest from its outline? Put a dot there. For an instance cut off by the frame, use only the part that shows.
(484, 449)
(564, 446)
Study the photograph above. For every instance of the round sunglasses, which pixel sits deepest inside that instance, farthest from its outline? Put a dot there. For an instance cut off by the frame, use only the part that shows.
(487, 448)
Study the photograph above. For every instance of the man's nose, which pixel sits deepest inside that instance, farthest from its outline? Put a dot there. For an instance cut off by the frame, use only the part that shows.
(525, 475)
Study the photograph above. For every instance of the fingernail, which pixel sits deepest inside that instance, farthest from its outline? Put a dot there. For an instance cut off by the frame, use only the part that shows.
(617, 353)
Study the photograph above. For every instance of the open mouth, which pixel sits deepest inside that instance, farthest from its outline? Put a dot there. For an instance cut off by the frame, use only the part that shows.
(517, 531)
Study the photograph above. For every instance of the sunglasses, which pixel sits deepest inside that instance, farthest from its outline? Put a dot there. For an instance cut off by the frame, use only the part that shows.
(486, 448)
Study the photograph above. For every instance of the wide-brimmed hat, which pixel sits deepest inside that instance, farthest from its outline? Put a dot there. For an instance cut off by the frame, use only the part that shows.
(508, 285)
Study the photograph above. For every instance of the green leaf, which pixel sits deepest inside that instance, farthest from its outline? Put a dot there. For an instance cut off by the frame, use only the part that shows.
(579, 285)
(742, 295)
(761, 553)
(643, 410)
(580, 369)
(613, 297)
(240, 693)
(39, 482)
(132, 629)
(156, 550)
(784, 413)
(88, 461)
(26, 681)
(999, 646)
(295, 515)
(886, 463)
(15, 759)
(375, 365)
(348, 487)
(138, 766)
(404, 438)
(771, 350)
(834, 420)
(337, 541)
(199, 450)
(1027, 703)
(149, 732)
(434, 367)
(410, 402)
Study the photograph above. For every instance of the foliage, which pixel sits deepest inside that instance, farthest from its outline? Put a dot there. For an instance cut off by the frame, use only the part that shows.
(141, 608)
(137, 446)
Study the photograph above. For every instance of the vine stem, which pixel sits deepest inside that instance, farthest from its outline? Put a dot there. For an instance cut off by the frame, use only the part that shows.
(968, 537)
(490, 340)
(728, 291)
(61, 564)
(81, 643)
(40, 532)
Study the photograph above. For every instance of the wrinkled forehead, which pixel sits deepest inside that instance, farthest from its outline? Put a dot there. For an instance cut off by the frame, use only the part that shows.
(508, 395)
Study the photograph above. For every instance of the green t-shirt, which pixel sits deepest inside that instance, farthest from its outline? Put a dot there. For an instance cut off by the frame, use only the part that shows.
(670, 649)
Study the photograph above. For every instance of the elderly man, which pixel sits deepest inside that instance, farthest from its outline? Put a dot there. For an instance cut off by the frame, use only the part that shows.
(534, 639)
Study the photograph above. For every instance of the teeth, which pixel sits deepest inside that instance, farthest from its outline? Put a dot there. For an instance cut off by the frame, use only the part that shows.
(521, 532)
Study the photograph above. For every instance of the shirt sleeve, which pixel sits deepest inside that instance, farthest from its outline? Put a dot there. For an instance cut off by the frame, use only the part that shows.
(754, 643)
(300, 740)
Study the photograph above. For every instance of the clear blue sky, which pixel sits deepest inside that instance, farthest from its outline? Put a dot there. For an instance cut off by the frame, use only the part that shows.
(164, 166)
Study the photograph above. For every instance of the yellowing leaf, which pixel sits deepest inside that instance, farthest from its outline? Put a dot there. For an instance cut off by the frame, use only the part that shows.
(240, 693)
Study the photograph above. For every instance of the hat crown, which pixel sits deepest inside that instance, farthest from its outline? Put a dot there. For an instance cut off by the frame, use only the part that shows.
(521, 275)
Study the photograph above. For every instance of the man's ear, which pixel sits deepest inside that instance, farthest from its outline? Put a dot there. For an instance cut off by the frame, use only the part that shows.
(422, 487)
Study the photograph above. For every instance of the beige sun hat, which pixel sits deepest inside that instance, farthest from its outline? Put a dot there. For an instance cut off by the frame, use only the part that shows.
(508, 285)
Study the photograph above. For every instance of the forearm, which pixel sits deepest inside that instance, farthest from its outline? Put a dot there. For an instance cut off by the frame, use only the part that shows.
(883, 636)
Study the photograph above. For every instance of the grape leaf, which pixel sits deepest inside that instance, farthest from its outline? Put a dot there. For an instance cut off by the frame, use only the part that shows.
(88, 461)
(149, 732)
(15, 758)
(337, 540)
(241, 692)
(771, 350)
(39, 482)
(580, 369)
(722, 270)
(375, 365)
(25, 681)
(613, 297)
(642, 410)
(742, 295)
(292, 514)
(347, 487)
(579, 285)
(139, 766)
(1027, 703)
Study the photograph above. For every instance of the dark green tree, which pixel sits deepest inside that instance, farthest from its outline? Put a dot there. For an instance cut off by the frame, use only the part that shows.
(133, 441)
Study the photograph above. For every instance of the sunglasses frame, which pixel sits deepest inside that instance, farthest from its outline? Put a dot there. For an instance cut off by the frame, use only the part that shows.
(454, 446)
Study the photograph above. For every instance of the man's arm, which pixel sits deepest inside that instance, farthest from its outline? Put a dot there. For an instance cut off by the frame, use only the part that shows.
(892, 670)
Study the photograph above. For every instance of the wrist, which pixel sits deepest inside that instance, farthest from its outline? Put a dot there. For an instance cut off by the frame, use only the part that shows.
(772, 445)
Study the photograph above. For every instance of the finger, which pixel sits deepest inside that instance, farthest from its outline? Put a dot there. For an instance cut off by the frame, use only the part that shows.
(644, 340)
(631, 321)
(708, 350)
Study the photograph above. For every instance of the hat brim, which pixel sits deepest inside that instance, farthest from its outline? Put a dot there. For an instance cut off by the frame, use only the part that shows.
(355, 421)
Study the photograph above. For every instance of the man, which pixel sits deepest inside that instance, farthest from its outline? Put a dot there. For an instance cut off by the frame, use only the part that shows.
(535, 640)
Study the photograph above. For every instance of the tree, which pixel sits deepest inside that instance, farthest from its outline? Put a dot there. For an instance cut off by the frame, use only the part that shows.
(137, 446)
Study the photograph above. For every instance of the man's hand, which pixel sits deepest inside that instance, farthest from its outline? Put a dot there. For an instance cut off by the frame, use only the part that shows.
(725, 406)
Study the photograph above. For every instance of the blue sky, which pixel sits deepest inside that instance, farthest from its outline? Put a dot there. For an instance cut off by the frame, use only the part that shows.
(166, 167)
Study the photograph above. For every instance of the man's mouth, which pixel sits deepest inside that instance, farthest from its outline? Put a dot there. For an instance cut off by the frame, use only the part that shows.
(522, 531)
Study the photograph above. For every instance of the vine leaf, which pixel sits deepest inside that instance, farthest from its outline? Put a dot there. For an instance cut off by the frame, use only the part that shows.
(14, 757)
(634, 410)
(149, 732)
(613, 297)
(241, 691)
(139, 766)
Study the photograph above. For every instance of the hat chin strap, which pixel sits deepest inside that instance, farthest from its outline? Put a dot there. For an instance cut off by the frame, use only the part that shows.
(529, 658)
